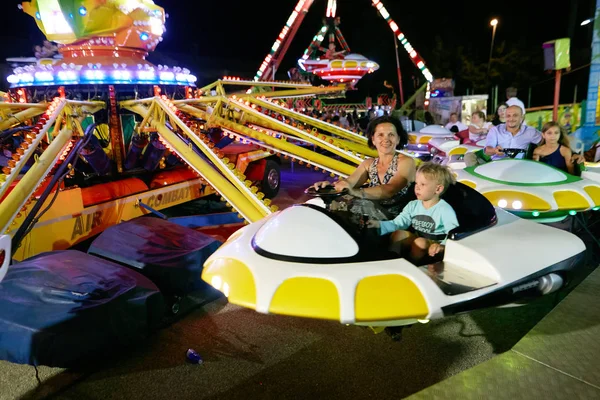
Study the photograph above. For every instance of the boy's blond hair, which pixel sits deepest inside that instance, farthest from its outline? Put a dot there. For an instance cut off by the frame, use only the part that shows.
(439, 173)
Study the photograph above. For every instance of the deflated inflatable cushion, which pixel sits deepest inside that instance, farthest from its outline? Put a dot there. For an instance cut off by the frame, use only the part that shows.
(170, 255)
(68, 308)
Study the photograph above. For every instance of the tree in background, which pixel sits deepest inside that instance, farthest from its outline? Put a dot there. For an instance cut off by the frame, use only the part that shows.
(511, 65)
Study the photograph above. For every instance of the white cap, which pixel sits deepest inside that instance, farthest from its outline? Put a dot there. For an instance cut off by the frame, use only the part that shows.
(513, 101)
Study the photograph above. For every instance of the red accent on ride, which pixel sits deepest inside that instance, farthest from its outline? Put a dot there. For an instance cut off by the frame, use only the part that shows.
(110, 191)
(256, 170)
(166, 178)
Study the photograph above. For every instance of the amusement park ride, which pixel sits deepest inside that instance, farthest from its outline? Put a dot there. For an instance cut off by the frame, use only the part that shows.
(327, 63)
(146, 138)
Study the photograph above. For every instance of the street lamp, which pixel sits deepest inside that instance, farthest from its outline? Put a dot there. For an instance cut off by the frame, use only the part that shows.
(493, 24)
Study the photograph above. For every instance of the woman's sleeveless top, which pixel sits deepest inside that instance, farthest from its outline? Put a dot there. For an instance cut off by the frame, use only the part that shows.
(392, 204)
(555, 159)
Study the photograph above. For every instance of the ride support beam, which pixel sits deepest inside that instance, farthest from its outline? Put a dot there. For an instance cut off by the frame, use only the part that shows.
(291, 149)
(31, 147)
(230, 173)
(24, 115)
(247, 209)
(21, 193)
(344, 133)
(316, 138)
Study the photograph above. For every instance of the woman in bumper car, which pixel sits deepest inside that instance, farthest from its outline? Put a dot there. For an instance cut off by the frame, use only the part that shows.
(388, 176)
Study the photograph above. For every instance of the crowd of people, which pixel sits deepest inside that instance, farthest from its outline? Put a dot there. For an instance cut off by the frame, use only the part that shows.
(348, 119)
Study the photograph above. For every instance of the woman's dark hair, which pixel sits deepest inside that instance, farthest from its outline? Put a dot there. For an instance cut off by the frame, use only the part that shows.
(496, 121)
(386, 119)
(429, 120)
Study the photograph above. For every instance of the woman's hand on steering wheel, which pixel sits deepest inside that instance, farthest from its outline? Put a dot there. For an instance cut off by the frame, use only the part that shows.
(321, 184)
(341, 185)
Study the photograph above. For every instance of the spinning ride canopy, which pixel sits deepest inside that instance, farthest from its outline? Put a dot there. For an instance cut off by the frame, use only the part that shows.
(131, 23)
(330, 64)
(279, 48)
(101, 41)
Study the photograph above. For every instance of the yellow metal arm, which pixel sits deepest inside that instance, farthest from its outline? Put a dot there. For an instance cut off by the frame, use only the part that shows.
(232, 195)
(19, 196)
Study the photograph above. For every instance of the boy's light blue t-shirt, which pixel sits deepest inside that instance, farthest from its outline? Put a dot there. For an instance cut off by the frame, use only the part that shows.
(429, 223)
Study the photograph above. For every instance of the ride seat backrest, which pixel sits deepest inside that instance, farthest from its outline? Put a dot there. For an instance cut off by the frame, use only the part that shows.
(463, 136)
(530, 149)
(473, 211)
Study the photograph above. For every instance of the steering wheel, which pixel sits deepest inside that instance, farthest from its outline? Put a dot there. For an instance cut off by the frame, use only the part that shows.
(512, 153)
(327, 193)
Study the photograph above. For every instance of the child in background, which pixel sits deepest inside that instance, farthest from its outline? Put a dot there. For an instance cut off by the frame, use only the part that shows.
(430, 217)
(479, 127)
(554, 148)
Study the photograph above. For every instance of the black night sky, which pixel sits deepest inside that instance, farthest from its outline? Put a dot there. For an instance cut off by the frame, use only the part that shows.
(231, 37)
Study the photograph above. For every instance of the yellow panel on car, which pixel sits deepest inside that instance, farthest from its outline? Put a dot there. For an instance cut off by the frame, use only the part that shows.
(424, 139)
(307, 297)
(528, 201)
(594, 193)
(233, 278)
(457, 151)
(388, 297)
(469, 183)
(350, 64)
(336, 64)
(571, 200)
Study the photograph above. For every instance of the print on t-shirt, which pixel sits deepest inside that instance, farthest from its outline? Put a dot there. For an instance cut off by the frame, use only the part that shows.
(423, 223)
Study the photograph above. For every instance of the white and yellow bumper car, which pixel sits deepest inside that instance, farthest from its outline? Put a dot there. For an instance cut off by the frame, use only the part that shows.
(307, 261)
(532, 189)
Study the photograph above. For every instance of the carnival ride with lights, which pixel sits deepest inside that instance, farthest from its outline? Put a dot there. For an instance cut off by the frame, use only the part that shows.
(261, 267)
(147, 138)
(327, 63)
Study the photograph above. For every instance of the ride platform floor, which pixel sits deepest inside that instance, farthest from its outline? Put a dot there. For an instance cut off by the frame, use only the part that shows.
(558, 359)
(253, 356)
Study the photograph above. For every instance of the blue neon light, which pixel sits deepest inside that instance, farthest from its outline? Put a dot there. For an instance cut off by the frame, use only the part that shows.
(82, 11)
(94, 75)
(37, 15)
(144, 36)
